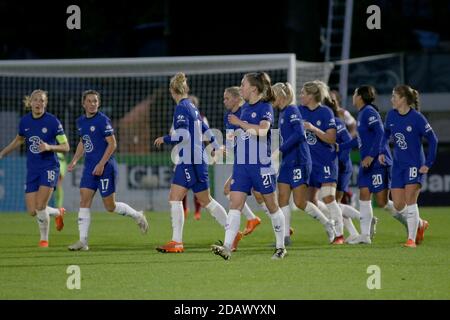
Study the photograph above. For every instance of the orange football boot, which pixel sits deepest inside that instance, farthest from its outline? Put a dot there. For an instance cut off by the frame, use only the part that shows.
(43, 244)
(338, 240)
(410, 244)
(59, 219)
(171, 247)
(421, 231)
(238, 238)
(251, 225)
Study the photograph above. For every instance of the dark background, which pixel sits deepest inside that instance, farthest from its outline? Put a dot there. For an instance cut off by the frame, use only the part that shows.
(38, 29)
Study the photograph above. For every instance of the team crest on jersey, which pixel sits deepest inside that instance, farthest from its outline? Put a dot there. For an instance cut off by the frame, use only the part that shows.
(253, 114)
(409, 128)
(282, 121)
(319, 122)
(44, 130)
(92, 128)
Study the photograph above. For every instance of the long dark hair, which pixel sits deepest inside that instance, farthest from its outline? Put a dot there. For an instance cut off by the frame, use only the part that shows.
(368, 95)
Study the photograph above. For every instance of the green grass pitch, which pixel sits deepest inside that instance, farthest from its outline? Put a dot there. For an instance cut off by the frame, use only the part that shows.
(123, 264)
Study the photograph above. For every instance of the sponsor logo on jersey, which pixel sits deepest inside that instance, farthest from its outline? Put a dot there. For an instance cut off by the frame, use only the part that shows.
(35, 141)
(311, 138)
(409, 128)
(319, 122)
(44, 130)
(401, 141)
(253, 114)
(87, 143)
(92, 128)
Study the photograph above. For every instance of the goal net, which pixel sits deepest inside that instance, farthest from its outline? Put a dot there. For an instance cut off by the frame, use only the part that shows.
(135, 95)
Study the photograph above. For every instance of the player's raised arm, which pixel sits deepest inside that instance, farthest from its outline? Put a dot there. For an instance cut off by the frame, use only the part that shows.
(15, 143)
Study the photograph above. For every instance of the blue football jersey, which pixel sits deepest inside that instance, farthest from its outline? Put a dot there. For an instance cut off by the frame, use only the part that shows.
(252, 149)
(322, 117)
(370, 136)
(93, 132)
(227, 125)
(407, 132)
(343, 136)
(43, 129)
(230, 141)
(293, 145)
(188, 129)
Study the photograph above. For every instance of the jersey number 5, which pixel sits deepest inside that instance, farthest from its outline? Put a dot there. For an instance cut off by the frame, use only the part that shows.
(188, 176)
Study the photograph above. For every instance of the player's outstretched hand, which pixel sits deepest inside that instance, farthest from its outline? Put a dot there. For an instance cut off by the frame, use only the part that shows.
(159, 141)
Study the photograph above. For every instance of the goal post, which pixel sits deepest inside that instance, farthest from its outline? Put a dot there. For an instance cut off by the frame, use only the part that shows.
(134, 94)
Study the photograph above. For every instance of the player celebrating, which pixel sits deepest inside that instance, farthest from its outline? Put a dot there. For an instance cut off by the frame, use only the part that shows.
(295, 168)
(192, 171)
(43, 135)
(321, 137)
(373, 176)
(252, 163)
(98, 143)
(345, 169)
(407, 126)
(233, 103)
